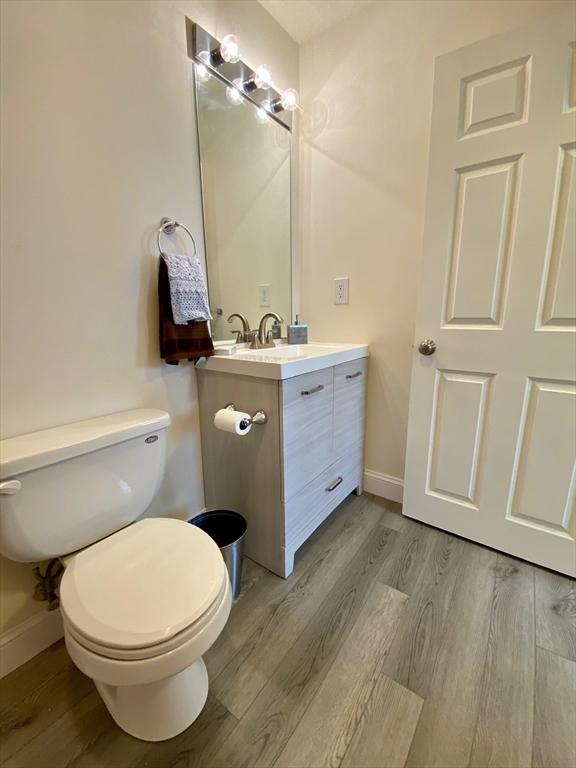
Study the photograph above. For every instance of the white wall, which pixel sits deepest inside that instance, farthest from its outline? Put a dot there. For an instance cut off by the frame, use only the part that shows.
(367, 92)
(98, 143)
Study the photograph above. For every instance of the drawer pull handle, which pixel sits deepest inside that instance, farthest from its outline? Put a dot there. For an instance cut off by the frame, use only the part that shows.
(312, 391)
(351, 376)
(335, 484)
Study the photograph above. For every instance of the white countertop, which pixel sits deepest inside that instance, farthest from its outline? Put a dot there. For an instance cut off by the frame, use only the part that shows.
(285, 360)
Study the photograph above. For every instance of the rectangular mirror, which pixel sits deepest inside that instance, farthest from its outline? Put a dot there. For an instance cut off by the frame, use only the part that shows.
(245, 166)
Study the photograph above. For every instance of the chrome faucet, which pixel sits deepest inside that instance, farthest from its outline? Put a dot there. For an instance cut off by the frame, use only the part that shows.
(243, 334)
(263, 338)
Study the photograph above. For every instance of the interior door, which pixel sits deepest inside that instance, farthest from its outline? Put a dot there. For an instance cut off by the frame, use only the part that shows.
(492, 426)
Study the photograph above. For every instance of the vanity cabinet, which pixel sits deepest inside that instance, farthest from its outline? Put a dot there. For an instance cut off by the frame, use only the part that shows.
(287, 475)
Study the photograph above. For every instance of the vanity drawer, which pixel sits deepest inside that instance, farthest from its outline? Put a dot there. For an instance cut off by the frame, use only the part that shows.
(349, 404)
(304, 512)
(307, 404)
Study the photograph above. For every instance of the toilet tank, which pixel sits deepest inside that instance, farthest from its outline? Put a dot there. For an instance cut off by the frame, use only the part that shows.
(64, 488)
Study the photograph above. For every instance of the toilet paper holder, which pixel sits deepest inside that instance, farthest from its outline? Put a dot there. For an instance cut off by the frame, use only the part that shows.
(259, 417)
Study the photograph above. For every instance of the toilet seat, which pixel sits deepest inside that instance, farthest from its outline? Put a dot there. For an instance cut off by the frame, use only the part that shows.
(150, 652)
(170, 580)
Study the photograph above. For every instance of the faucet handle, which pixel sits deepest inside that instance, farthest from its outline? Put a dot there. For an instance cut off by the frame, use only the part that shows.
(239, 335)
(252, 338)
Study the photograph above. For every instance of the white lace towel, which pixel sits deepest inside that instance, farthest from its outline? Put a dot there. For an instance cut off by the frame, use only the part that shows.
(188, 292)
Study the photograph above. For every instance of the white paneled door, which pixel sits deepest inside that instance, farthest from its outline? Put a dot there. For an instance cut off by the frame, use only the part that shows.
(492, 428)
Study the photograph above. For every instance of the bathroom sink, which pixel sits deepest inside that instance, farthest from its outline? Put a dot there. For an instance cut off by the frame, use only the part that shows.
(285, 360)
(289, 352)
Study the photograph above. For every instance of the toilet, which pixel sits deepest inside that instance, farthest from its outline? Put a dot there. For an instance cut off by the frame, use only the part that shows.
(141, 599)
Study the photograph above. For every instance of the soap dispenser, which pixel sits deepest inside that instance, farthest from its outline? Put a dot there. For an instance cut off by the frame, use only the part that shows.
(297, 332)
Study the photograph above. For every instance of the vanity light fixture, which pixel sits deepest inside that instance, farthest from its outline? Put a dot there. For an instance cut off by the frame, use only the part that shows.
(227, 53)
(288, 101)
(262, 78)
(221, 60)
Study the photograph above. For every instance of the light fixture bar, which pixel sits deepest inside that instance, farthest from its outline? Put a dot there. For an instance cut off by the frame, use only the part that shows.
(205, 49)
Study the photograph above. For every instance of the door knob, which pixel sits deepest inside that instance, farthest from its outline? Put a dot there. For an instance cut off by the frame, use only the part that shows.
(427, 347)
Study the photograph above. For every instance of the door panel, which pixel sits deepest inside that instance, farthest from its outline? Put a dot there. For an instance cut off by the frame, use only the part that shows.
(456, 440)
(559, 306)
(483, 232)
(491, 437)
(495, 98)
(542, 491)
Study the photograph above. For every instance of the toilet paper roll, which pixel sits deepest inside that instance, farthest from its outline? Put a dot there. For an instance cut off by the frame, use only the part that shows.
(228, 420)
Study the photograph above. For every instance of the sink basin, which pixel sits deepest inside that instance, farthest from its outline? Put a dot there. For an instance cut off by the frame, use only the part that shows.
(286, 360)
(289, 352)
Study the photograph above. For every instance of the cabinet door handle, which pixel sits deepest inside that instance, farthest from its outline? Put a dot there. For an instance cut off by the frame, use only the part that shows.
(312, 391)
(350, 376)
(10, 487)
(335, 484)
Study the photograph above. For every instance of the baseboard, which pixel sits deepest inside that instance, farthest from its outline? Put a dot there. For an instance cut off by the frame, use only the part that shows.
(388, 487)
(22, 643)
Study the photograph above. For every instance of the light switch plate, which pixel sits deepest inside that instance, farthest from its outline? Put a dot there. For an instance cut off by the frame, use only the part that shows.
(341, 290)
(264, 294)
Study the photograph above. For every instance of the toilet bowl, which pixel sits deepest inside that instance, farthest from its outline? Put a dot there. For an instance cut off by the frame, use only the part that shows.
(141, 635)
(142, 599)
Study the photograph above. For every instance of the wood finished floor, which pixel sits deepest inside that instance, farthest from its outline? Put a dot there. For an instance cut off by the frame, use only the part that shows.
(393, 644)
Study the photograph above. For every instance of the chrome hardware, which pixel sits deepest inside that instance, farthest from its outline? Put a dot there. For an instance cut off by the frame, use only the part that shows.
(10, 487)
(306, 392)
(260, 417)
(335, 484)
(245, 326)
(351, 376)
(427, 347)
(201, 44)
(168, 227)
(264, 338)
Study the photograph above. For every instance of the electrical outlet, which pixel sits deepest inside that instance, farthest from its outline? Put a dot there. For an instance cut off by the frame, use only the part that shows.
(264, 294)
(341, 290)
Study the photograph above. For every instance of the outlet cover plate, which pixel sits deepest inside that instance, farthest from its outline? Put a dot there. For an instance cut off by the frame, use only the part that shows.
(341, 290)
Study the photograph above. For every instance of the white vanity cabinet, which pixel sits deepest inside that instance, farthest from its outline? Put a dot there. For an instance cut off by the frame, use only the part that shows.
(287, 475)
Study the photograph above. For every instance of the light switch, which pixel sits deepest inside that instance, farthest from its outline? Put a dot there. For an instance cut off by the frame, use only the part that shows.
(264, 294)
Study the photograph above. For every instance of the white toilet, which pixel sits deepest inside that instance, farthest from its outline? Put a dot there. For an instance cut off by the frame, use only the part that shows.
(141, 601)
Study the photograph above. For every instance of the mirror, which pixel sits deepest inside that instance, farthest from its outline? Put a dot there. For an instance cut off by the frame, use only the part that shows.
(245, 164)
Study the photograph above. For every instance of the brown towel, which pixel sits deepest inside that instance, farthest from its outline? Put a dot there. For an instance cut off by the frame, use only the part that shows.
(179, 342)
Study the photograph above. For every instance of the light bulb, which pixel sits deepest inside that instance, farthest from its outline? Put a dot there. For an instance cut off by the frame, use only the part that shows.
(202, 72)
(233, 95)
(230, 50)
(289, 99)
(262, 116)
(263, 77)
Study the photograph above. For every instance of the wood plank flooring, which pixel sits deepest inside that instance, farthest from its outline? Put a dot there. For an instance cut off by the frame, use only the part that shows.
(392, 645)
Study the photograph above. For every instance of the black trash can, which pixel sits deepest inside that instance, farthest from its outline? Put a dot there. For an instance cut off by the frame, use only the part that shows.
(227, 529)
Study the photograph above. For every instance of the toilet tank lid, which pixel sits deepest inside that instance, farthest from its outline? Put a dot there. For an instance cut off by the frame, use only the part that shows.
(39, 449)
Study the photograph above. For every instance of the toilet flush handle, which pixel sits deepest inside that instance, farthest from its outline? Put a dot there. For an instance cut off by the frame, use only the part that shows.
(9, 487)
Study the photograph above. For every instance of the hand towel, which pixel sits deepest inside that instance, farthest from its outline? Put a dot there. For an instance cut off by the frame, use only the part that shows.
(188, 291)
(179, 342)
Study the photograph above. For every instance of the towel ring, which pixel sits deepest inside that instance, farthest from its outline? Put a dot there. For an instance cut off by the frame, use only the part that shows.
(168, 227)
